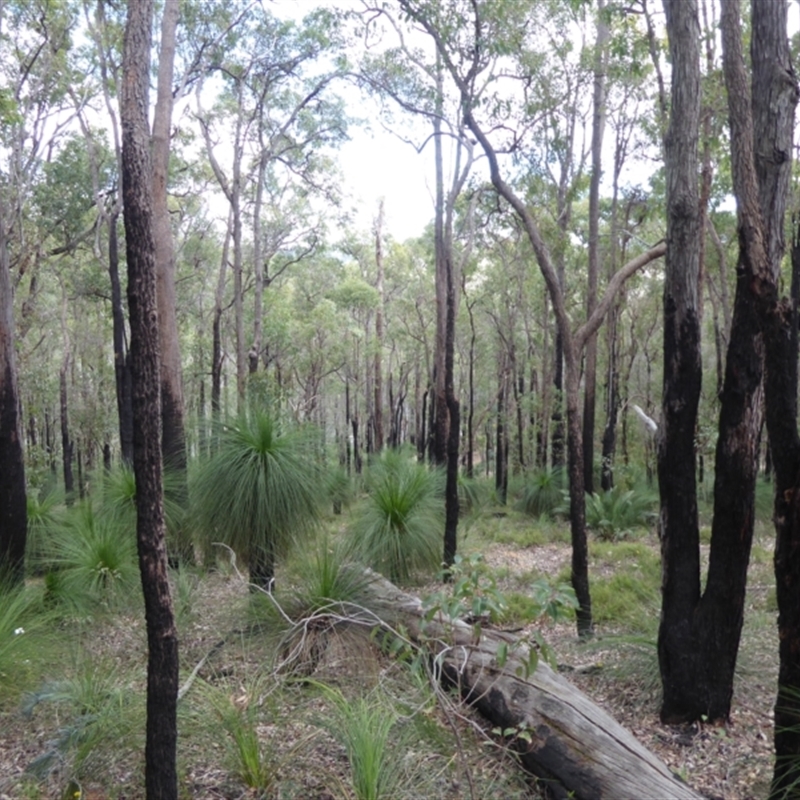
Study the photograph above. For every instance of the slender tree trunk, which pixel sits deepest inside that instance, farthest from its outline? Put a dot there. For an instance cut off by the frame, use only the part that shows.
(216, 333)
(590, 357)
(378, 361)
(162, 667)
(122, 366)
(173, 444)
(13, 505)
(66, 441)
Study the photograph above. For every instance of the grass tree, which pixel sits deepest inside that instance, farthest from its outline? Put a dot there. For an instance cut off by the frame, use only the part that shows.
(397, 530)
(258, 493)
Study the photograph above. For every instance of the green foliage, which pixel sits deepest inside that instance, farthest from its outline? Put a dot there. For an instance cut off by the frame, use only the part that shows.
(366, 727)
(22, 621)
(339, 488)
(254, 762)
(472, 494)
(45, 514)
(257, 492)
(543, 493)
(615, 513)
(472, 594)
(101, 720)
(324, 577)
(400, 525)
(91, 559)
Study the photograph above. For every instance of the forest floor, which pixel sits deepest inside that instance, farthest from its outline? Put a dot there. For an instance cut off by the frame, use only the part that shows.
(90, 717)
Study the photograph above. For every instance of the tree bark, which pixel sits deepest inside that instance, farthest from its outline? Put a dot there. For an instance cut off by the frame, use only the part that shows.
(678, 528)
(378, 360)
(162, 667)
(122, 366)
(13, 505)
(173, 444)
(598, 128)
(575, 747)
(760, 181)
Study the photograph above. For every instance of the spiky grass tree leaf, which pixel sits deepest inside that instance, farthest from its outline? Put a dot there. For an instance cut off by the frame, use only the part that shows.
(400, 526)
(542, 493)
(259, 492)
(92, 559)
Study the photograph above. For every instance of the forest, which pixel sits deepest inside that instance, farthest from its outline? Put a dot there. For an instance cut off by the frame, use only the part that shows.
(293, 508)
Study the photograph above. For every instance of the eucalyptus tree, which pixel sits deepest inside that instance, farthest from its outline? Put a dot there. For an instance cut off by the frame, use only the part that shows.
(414, 81)
(701, 626)
(161, 779)
(469, 53)
(13, 507)
(763, 111)
(276, 95)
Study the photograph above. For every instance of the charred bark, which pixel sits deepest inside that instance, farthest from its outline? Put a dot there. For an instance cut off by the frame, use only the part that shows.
(679, 528)
(162, 667)
(13, 505)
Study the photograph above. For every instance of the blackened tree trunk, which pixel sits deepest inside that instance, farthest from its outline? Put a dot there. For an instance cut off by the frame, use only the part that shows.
(678, 527)
(66, 441)
(769, 120)
(13, 505)
(162, 667)
(501, 439)
(701, 672)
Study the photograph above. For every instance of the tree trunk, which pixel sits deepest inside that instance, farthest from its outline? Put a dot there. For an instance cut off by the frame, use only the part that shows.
(679, 529)
(598, 128)
(378, 360)
(13, 505)
(760, 181)
(216, 334)
(576, 748)
(66, 441)
(161, 781)
(122, 365)
(501, 439)
(173, 433)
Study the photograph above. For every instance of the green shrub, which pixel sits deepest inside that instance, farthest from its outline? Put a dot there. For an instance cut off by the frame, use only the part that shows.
(615, 513)
(91, 560)
(543, 493)
(399, 528)
(259, 493)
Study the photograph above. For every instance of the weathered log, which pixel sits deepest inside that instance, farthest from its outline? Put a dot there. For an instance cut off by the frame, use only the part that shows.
(578, 749)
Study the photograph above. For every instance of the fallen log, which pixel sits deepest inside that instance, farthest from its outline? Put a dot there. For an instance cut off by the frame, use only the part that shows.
(570, 743)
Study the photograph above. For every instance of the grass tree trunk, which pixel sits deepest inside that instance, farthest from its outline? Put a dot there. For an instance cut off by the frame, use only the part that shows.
(161, 781)
(13, 506)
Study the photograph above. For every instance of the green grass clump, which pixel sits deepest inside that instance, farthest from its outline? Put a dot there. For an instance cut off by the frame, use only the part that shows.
(101, 721)
(614, 514)
(366, 728)
(91, 561)
(322, 577)
(399, 526)
(543, 493)
(258, 493)
(25, 639)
